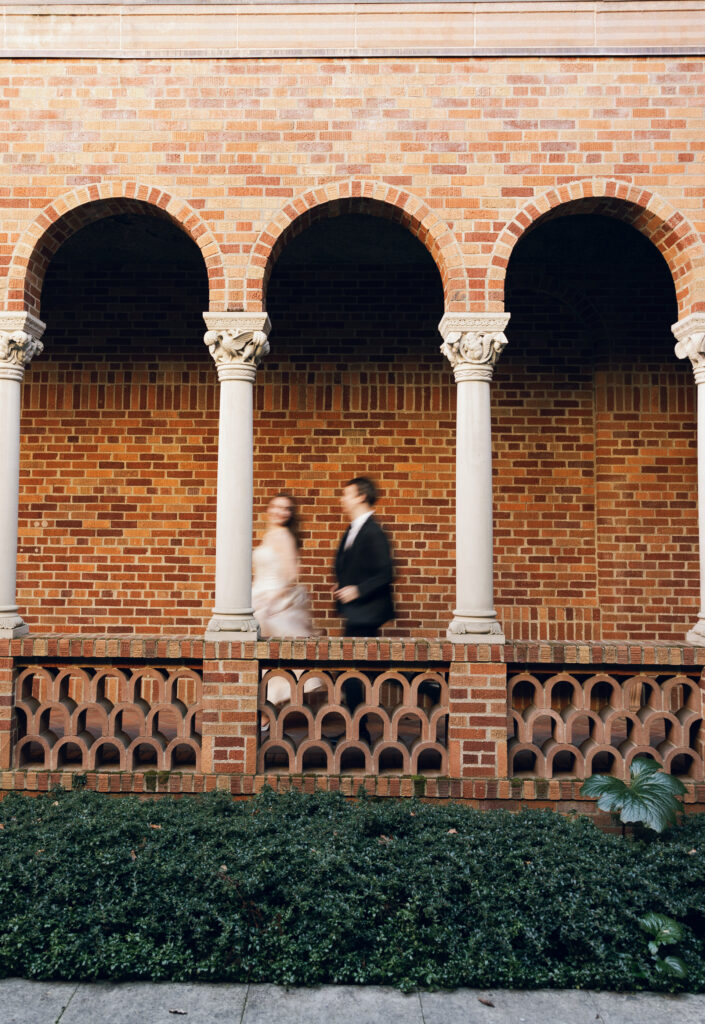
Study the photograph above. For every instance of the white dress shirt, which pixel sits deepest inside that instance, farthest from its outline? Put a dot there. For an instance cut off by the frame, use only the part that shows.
(355, 527)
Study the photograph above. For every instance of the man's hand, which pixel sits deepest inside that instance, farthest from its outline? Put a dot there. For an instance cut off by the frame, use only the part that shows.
(346, 594)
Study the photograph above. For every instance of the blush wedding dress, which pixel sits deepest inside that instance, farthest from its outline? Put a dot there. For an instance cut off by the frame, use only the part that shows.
(282, 609)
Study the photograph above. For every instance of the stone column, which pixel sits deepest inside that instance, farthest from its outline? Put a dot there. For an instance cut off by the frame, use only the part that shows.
(473, 342)
(19, 342)
(690, 333)
(237, 342)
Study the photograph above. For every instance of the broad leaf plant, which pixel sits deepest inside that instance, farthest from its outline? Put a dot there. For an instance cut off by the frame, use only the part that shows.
(651, 797)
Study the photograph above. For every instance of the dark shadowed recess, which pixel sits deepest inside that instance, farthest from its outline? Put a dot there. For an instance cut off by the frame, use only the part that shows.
(358, 287)
(585, 288)
(126, 284)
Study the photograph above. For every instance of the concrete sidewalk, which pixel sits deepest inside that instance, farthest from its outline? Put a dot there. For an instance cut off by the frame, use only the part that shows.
(32, 1002)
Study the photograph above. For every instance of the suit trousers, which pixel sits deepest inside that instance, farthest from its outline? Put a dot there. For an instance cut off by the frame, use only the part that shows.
(361, 630)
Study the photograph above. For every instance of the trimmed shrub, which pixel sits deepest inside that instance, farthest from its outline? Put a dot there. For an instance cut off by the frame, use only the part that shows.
(301, 890)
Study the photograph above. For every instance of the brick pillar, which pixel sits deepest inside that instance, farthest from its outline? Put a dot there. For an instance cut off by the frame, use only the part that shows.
(229, 743)
(7, 739)
(477, 726)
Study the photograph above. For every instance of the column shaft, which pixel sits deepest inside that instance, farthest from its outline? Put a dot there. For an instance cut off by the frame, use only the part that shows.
(19, 343)
(473, 554)
(10, 398)
(473, 343)
(690, 333)
(233, 571)
(699, 637)
(237, 342)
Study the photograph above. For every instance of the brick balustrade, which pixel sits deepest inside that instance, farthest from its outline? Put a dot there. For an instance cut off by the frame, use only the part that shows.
(431, 718)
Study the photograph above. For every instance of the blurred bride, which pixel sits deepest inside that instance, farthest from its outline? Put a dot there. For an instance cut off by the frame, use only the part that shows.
(281, 603)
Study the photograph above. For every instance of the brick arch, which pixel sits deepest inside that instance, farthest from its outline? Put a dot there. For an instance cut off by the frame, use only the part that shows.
(675, 238)
(69, 213)
(354, 196)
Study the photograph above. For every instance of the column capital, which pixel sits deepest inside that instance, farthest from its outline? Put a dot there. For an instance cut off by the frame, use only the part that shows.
(690, 333)
(238, 343)
(19, 342)
(473, 342)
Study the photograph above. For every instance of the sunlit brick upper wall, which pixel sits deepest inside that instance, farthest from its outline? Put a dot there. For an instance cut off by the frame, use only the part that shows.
(263, 28)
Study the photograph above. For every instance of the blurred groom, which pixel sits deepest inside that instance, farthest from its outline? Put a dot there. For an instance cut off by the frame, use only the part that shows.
(363, 564)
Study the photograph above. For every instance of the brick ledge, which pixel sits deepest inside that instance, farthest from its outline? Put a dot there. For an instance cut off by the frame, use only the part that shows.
(485, 793)
(403, 649)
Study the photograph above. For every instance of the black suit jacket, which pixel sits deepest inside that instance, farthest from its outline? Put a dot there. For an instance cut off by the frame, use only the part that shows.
(367, 565)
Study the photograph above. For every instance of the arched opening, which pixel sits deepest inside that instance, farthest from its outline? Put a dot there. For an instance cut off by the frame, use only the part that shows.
(32, 755)
(429, 761)
(355, 384)
(183, 756)
(352, 760)
(314, 759)
(276, 759)
(524, 763)
(682, 764)
(409, 730)
(295, 727)
(70, 756)
(603, 763)
(563, 763)
(391, 760)
(594, 437)
(119, 430)
(107, 756)
(144, 756)
(165, 724)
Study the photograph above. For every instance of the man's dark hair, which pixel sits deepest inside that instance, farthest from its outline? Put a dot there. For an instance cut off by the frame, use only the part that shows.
(365, 488)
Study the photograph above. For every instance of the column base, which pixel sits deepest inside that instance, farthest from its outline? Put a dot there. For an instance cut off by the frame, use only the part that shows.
(233, 628)
(12, 626)
(696, 635)
(476, 630)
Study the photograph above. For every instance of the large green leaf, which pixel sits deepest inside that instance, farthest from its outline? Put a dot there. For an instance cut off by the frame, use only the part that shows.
(650, 798)
(674, 965)
(664, 929)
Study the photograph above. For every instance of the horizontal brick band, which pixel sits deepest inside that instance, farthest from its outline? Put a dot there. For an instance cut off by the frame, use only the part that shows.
(333, 649)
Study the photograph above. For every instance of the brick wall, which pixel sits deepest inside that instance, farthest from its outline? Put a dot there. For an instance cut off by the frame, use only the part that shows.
(355, 385)
(594, 442)
(474, 139)
(594, 435)
(595, 468)
(119, 455)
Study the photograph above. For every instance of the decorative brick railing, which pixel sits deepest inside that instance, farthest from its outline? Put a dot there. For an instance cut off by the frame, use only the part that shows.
(571, 724)
(510, 726)
(92, 717)
(338, 719)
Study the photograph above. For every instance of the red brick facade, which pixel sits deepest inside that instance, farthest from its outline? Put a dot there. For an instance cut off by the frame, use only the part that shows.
(564, 189)
(465, 154)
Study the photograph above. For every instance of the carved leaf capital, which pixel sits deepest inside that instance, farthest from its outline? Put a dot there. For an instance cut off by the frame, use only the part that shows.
(692, 346)
(18, 348)
(233, 345)
(474, 349)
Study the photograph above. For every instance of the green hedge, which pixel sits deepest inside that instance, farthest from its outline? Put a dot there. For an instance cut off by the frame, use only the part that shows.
(299, 890)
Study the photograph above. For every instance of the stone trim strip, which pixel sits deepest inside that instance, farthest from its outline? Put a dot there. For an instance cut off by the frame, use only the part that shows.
(270, 29)
(350, 54)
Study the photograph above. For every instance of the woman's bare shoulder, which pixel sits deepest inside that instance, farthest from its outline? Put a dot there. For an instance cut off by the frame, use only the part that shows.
(281, 539)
